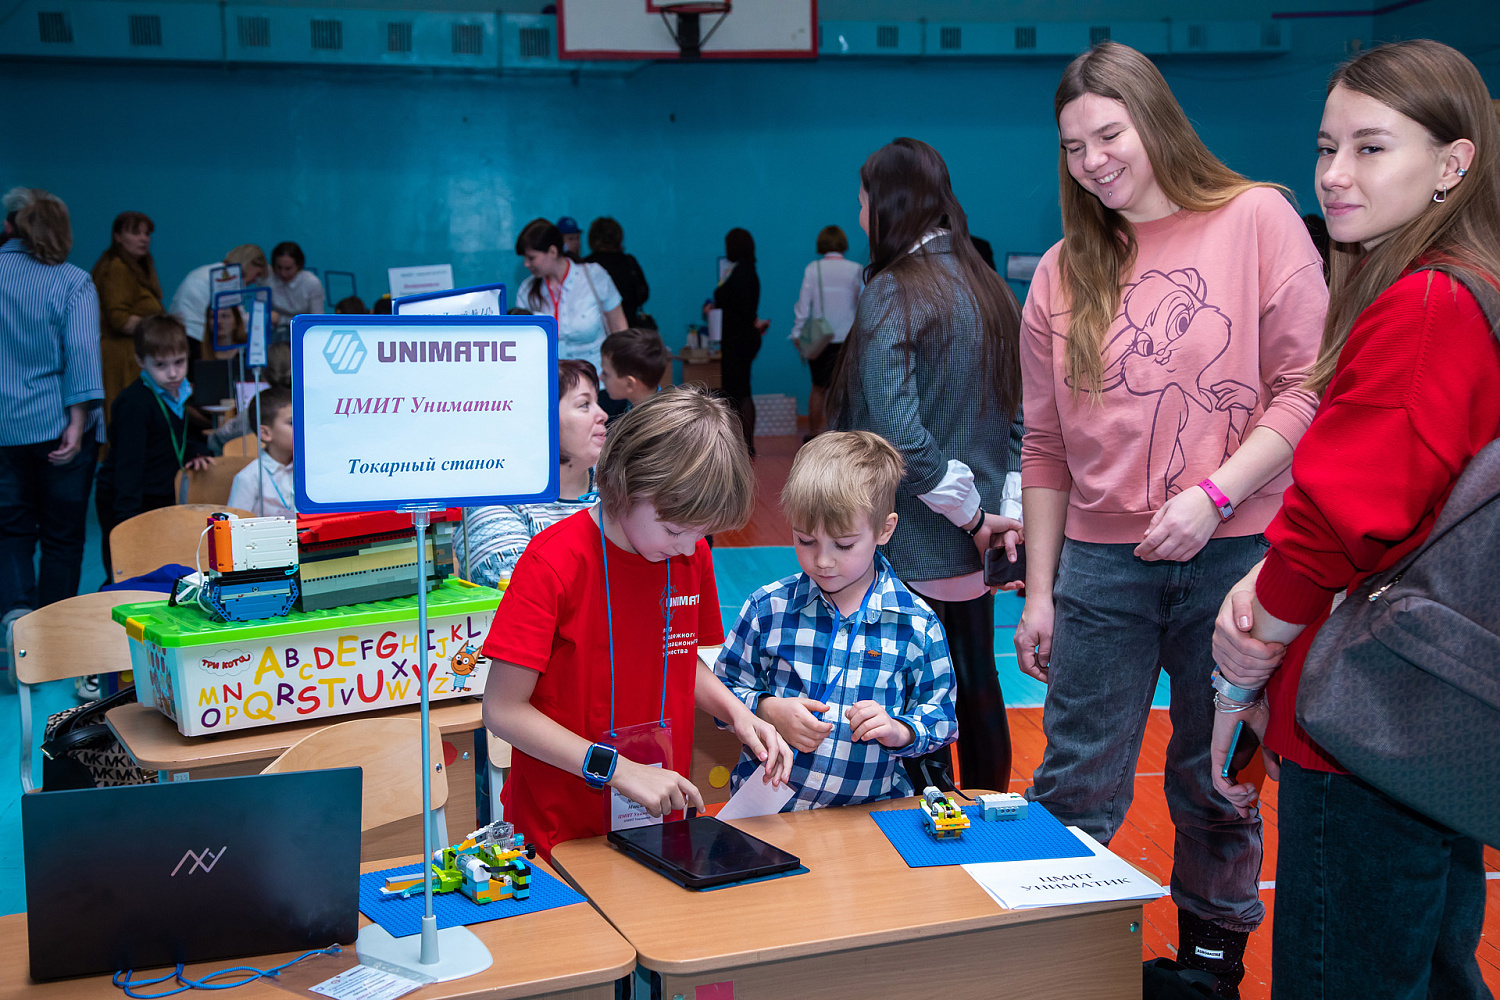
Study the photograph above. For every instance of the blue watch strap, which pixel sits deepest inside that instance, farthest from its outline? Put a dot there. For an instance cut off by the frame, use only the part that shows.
(595, 779)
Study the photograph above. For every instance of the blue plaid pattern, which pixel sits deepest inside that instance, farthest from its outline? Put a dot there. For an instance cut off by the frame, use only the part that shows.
(896, 655)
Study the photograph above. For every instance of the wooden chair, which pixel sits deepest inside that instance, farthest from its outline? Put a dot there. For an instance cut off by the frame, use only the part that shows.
(245, 444)
(390, 752)
(65, 640)
(161, 536)
(210, 485)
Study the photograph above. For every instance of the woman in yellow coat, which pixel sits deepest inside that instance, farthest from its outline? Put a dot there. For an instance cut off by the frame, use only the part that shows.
(129, 291)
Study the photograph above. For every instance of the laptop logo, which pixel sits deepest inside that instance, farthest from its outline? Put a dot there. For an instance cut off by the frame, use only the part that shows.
(199, 860)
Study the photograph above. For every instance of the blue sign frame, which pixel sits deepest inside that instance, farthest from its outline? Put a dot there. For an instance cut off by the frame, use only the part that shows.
(300, 327)
(253, 292)
(396, 304)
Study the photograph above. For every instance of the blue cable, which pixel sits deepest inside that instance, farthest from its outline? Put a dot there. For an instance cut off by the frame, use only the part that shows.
(123, 981)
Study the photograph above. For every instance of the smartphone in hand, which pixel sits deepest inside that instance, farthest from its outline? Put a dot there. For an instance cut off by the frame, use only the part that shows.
(999, 570)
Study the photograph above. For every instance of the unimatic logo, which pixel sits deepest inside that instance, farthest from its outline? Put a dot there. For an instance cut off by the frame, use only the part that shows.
(344, 352)
(205, 860)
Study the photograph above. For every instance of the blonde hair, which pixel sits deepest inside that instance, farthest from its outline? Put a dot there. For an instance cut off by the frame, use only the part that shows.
(839, 478)
(1439, 89)
(247, 255)
(1099, 244)
(682, 452)
(42, 223)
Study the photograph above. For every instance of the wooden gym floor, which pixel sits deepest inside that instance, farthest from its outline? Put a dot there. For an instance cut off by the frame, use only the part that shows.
(1147, 837)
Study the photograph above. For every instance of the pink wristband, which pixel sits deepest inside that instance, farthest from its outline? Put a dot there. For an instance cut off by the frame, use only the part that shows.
(1226, 509)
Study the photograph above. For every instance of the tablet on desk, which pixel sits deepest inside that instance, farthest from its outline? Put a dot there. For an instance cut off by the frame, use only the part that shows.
(703, 852)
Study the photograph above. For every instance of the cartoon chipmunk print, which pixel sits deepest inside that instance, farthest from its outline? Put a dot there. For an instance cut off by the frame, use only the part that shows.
(463, 664)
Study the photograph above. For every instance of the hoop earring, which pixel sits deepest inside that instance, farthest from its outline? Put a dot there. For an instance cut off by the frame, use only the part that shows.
(1441, 196)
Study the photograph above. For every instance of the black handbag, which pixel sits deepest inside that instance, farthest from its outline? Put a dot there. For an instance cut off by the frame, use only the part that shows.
(79, 750)
(1402, 683)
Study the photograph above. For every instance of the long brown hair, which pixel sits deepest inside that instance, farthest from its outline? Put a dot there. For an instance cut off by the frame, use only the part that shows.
(910, 195)
(1099, 244)
(1439, 89)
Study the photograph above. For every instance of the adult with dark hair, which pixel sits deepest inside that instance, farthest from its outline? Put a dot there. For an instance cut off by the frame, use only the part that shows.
(830, 290)
(129, 291)
(580, 297)
(738, 296)
(1373, 899)
(930, 365)
(50, 391)
(491, 539)
(1166, 339)
(294, 291)
(607, 249)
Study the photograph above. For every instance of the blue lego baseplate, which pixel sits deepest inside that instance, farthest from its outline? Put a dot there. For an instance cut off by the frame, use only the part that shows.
(401, 917)
(1038, 837)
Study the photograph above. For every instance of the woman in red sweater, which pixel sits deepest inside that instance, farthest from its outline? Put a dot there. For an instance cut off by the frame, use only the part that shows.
(1373, 899)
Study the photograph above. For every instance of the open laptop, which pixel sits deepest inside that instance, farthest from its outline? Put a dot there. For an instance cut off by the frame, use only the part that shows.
(190, 871)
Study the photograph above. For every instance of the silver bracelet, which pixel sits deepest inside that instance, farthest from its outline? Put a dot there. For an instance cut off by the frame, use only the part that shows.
(1233, 691)
(1226, 707)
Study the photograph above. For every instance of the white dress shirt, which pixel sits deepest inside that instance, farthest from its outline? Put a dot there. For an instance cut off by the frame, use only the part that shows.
(265, 488)
(580, 317)
(843, 280)
(190, 301)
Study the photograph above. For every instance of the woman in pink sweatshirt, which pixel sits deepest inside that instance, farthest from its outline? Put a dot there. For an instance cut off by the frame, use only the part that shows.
(1162, 348)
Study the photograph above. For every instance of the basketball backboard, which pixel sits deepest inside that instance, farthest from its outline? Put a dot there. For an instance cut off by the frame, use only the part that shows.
(649, 29)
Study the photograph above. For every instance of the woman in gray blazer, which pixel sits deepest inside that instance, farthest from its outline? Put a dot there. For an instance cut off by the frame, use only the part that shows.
(932, 365)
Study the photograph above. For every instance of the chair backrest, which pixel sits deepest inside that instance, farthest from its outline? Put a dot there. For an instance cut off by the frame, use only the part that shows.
(161, 536)
(74, 637)
(244, 445)
(389, 750)
(210, 485)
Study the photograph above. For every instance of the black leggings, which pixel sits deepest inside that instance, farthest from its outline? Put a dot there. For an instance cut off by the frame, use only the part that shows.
(983, 730)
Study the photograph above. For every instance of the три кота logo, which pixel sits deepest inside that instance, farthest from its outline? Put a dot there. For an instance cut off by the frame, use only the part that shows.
(344, 352)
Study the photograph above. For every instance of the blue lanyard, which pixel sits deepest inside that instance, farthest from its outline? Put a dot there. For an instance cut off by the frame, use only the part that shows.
(858, 619)
(272, 477)
(609, 629)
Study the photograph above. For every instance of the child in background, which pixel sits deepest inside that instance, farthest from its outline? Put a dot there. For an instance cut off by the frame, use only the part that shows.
(264, 487)
(634, 362)
(850, 666)
(149, 439)
(278, 375)
(594, 652)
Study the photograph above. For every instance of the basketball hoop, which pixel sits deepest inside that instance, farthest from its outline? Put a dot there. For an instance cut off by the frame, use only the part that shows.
(688, 35)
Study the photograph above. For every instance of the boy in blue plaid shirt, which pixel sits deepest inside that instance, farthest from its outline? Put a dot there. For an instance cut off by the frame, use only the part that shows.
(849, 666)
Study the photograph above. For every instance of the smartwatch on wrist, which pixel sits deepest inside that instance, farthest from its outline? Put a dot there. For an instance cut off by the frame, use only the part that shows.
(1220, 501)
(599, 764)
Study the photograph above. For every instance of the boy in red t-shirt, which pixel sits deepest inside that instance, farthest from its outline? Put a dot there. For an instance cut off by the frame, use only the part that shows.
(595, 671)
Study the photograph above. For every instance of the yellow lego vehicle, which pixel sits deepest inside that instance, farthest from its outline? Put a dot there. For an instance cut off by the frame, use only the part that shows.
(942, 816)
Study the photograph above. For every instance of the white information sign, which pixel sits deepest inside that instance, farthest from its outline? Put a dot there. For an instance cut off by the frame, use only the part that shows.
(420, 279)
(484, 300)
(404, 410)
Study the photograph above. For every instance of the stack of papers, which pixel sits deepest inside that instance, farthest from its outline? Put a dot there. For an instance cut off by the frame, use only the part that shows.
(1025, 885)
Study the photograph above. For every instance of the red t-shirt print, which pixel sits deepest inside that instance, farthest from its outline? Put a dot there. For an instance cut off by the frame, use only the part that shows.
(552, 620)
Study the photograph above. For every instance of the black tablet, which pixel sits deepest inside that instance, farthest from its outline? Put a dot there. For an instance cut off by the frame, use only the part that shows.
(703, 852)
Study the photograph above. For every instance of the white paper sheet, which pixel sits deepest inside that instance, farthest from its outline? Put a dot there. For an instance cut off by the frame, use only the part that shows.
(365, 983)
(756, 798)
(1025, 885)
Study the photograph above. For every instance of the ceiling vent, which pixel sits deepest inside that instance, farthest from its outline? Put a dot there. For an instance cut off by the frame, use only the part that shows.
(887, 36)
(1197, 36)
(327, 34)
(255, 32)
(145, 29)
(398, 36)
(1098, 33)
(54, 28)
(468, 39)
(951, 38)
(536, 43)
(1026, 37)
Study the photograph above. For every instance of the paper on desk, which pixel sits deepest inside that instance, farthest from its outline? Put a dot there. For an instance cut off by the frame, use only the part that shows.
(365, 983)
(1025, 885)
(756, 798)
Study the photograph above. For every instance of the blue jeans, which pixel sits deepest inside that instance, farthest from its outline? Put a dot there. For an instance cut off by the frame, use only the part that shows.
(1373, 900)
(1119, 621)
(46, 502)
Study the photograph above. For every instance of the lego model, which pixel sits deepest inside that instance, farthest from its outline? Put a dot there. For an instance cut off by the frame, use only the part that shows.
(362, 557)
(942, 816)
(1003, 806)
(252, 567)
(487, 865)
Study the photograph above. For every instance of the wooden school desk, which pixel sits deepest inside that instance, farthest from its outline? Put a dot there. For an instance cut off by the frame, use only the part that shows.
(567, 953)
(859, 924)
(155, 744)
